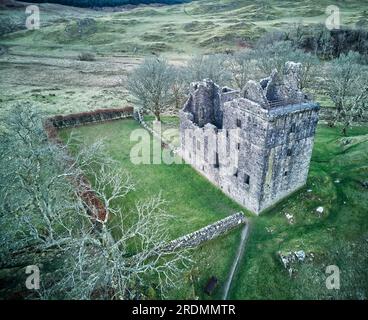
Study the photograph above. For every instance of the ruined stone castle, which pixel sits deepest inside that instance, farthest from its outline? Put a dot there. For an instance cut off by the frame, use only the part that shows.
(256, 144)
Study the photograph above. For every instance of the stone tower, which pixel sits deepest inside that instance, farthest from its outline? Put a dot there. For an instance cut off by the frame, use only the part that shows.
(256, 144)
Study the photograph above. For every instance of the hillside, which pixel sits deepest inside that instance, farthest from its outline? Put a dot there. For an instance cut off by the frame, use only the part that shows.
(107, 3)
(43, 66)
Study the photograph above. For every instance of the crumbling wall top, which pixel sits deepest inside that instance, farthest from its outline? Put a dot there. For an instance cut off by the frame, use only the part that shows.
(277, 90)
(268, 98)
(206, 101)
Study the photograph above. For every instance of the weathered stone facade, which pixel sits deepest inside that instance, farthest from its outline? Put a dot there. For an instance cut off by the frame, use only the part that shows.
(255, 144)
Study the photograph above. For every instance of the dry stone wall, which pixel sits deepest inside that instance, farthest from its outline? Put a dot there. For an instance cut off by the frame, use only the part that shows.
(165, 144)
(207, 233)
(100, 115)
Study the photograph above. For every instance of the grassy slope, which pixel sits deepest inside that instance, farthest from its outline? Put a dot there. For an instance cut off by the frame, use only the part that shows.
(185, 28)
(42, 65)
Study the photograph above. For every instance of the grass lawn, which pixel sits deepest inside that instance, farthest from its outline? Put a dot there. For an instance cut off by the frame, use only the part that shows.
(337, 170)
(192, 201)
(335, 180)
(169, 128)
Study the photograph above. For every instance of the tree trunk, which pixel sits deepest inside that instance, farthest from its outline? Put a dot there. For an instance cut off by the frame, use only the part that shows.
(344, 131)
(157, 115)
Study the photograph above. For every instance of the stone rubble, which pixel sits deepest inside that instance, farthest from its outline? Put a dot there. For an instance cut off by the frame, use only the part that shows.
(290, 218)
(320, 210)
(290, 259)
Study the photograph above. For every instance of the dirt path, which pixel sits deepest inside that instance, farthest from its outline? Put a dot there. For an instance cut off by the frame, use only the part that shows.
(239, 254)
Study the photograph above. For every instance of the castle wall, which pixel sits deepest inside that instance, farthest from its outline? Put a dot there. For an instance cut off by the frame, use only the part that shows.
(205, 104)
(289, 149)
(256, 154)
(249, 133)
(199, 146)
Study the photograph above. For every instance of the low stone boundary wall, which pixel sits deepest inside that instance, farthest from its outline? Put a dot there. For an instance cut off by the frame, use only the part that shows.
(165, 144)
(207, 233)
(100, 115)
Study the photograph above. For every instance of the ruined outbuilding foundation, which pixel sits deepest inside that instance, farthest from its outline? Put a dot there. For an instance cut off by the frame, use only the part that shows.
(255, 144)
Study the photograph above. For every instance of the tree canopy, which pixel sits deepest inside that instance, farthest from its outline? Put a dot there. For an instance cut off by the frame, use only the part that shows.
(106, 3)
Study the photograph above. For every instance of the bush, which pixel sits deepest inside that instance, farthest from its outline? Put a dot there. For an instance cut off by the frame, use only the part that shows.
(271, 38)
(86, 117)
(9, 25)
(329, 44)
(80, 28)
(86, 56)
(212, 67)
(347, 87)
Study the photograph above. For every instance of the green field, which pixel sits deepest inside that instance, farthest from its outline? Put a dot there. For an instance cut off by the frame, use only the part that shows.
(177, 29)
(194, 202)
(192, 206)
(335, 179)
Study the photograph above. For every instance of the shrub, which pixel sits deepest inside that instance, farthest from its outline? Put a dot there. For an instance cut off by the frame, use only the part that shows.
(86, 56)
(329, 44)
(80, 28)
(85, 117)
(212, 67)
(9, 25)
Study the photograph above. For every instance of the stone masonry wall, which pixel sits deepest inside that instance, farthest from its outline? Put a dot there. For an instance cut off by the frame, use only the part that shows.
(100, 115)
(288, 153)
(207, 233)
(164, 143)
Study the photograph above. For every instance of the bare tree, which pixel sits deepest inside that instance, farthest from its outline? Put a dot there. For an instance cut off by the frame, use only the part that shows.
(44, 220)
(180, 88)
(242, 68)
(151, 84)
(274, 56)
(347, 86)
(212, 67)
